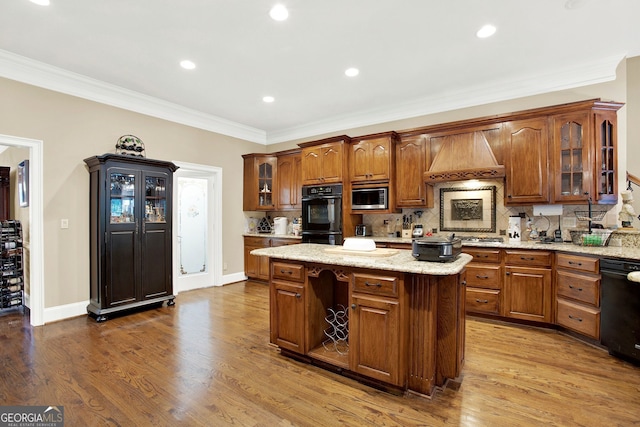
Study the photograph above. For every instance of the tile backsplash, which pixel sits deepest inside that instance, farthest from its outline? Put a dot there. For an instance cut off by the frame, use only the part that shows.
(430, 218)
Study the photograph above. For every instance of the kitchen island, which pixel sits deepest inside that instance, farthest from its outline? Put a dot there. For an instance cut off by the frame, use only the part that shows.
(382, 318)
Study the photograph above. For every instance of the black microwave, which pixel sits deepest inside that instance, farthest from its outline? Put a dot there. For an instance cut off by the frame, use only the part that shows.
(376, 198)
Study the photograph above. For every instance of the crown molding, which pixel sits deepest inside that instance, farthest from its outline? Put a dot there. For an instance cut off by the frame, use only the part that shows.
(578, 75)
(25, 70)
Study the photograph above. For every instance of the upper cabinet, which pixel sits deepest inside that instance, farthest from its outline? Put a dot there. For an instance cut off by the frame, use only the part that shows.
(584, 154)
(289, 182)
(411, 160)
(572, 154)
(526, 161)
(259, 182)
(372, 158)
(323, 162)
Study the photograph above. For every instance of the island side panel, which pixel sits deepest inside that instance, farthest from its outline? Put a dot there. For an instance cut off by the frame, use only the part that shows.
(423, 300)
(450, 327)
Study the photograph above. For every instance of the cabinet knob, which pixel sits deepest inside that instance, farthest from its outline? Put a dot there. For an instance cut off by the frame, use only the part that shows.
(508, 273)
(463, 283)
(298, 295)
(353, 306)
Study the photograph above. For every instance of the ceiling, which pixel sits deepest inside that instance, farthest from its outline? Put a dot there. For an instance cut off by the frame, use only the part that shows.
(415, 56)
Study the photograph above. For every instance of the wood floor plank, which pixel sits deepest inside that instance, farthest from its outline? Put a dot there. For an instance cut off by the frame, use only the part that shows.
(207, 362)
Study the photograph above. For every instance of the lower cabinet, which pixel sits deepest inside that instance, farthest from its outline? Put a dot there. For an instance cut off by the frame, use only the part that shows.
(528, 285)
(374, 337)
(396, 330)
(256, 267)
(484, 281)
(578, 294)
(374, 327)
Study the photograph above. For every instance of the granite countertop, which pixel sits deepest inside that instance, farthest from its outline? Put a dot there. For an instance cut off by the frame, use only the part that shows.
(402, 261)
(602, 251)
(277, 236)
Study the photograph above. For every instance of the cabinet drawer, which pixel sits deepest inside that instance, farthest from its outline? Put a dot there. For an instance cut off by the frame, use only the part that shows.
(287, 271)
(580, 263)
(528, 258)
(579, 287)
(483, 255)
(579, 318)
(484, 276)
(482, 300)
(260, 242)
(375, 284)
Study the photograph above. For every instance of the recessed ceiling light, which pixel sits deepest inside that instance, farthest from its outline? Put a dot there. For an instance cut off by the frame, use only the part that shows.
(268, 99)
(41, 2)
(352, 72)
(486, 31)
(279, 12)
(187, 65)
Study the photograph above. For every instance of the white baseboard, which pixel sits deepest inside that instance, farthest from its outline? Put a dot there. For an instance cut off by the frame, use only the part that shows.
(61, 312)
(232, 278)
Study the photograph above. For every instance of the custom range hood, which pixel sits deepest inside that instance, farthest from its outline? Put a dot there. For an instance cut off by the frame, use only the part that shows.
(462, 157)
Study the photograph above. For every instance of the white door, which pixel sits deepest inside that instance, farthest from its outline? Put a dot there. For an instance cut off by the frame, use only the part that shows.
(197, 241)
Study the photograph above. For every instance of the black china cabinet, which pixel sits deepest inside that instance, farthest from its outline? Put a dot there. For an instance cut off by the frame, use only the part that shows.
(130, 233)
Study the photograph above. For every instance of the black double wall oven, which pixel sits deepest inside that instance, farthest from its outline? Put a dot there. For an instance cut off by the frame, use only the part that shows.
(322, 214)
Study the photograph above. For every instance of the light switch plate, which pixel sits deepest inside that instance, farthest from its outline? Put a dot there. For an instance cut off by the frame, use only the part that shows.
(64, 223)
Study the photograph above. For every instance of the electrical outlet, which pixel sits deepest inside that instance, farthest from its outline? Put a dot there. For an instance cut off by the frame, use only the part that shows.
(224, 266)
(503, 232)
(64, 223)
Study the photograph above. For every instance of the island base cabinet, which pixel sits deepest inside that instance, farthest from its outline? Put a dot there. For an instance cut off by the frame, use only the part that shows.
(374, 338)
(287, 316)
(396, 331)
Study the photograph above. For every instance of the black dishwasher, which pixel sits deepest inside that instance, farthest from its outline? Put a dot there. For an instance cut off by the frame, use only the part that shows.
(620, 309)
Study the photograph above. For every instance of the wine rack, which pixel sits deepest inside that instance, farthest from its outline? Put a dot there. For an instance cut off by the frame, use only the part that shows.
(12, 280)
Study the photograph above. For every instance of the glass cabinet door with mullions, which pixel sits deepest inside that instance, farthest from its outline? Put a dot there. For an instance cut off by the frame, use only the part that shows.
(122, 196)
(155, 202)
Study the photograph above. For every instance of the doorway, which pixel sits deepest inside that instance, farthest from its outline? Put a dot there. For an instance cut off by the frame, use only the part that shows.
(197, 219)
(35, 296)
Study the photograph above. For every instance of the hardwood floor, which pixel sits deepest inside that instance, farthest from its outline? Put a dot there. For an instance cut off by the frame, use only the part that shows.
(206, 362)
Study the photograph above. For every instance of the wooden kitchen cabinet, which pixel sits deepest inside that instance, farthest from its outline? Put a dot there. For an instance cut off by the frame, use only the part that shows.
(484, 281)
(259, 182)
(130, 233)
(578, 294)
(287, 306)
(374, 338)
(572, 151)
(256, 267)
(528, 285)
(410, 166)
(289, 182)
(323, 162)
(372, 158)
(526, 161)
(585, 154)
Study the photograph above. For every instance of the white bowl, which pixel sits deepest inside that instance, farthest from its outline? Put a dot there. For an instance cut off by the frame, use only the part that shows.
(359, 244)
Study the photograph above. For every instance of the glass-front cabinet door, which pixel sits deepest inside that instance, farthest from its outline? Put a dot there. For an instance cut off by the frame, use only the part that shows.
(572, 166)
(155, 199)
(606, 158)
(122, 197)
(266, 172)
